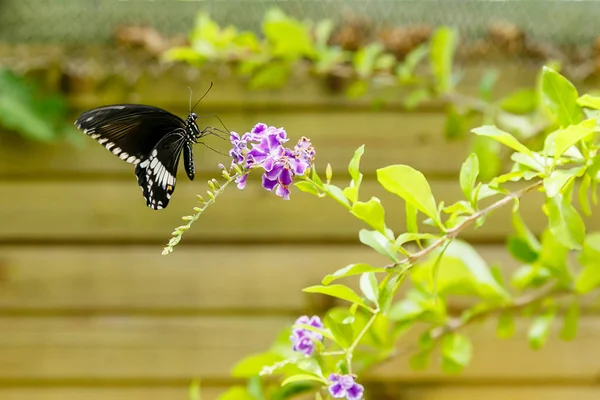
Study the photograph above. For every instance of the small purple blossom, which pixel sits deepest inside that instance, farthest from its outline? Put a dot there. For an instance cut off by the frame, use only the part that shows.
(303, 340)
(267, 151)
(345, 386)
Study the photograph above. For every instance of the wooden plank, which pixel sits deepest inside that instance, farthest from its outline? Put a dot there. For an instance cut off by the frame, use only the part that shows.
(192, 279)
(117, 348)
(440, 392)
(416, 139)
(115, 211)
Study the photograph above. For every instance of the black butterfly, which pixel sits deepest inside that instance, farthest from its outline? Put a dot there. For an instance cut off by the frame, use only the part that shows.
(149, 138)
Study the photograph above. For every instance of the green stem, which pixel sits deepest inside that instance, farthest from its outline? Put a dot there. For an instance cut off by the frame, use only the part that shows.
(357, 340)
(325, 189)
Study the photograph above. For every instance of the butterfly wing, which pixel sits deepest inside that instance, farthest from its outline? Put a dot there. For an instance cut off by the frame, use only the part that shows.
(157, 175)
(129, 131)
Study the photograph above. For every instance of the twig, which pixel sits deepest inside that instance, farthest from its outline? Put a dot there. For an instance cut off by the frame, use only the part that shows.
(453, 232)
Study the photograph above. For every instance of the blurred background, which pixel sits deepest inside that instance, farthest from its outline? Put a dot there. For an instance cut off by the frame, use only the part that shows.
(89, 309)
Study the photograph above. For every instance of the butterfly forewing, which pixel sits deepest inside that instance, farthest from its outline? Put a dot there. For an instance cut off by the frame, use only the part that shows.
(129, 131)
(157, 175)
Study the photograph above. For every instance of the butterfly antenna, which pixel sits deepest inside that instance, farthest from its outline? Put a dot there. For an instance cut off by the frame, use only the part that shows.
(208, 90)
(190, 89)
(216, 151)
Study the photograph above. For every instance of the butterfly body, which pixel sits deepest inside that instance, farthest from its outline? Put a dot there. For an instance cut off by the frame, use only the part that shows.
(148, 137)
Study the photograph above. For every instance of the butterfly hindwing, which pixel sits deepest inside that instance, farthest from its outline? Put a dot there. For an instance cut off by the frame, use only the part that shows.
(129, 131)
(157, 174)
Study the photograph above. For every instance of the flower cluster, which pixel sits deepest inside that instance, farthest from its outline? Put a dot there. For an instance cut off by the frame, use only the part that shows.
(303, 340)
(280, 163)
(345, 386)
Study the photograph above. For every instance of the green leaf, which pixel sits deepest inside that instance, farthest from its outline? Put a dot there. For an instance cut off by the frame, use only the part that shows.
(420, 361)
(486, 84)
(560, 96)
(352, 269)
(571, 321)
(292, 390)
(340, 321)
(564, 222)
(520, 249)
(468, 176)
(502, 137)
(371, 212)
(520, 102)
(506, 326)
(411, 219)
(236, 393)
(539, 330)
(406, 69)
(271, 76)
(589, 277)
(556, 181)
(303, 377)
(415, 97)
(307, 187)
(354, 166)
(337, 194)
(289, 38)
(582, 194)
(339, 291)
(442, 48)
(378, 242)
(365, 59)
(462, 271)
(572, 134)
(356, 89)
(488, 154)
(409, 237)
(412, 186)
(525, 233)
(456, 123)
(457, 351)
(369, 287)
(589, 101)
(253, 364)
(194, 391)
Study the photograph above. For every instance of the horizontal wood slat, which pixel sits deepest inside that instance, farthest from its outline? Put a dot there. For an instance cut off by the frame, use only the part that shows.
(374, 391)
(115, 211)
(106, 348)
(416, 139)
(82, 278)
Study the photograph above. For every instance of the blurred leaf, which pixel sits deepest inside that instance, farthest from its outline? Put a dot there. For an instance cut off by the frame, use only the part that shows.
(589, 277)
(584, 201)
(369, 287)
(420, 361)
(540, 328)
(236, 393)
(520, 102)
(385, 62)
(457, 351)
(520, 249)
(462, 271)
(406, 69)
(456, 123)
(412, 186)
(303, 377)
(468, 177)
(416, 97)
(554, 183)
(357, 89)
(253, 364)
(339, 291)
(571, 321)
(589, 101)
(27, 111)
(290, 38)
(291, 390)
(560, 96)
(270, 76)
(572, 134)
(488, 154)
(365, 59)
(255, 387)
(323, 31)
(442, 48)
(352, 269)
(502, 137)
(486, 84)
(506, 326)
(378, 242)
(564, 222)
(371, 212)
(194, 391)
(340, 321)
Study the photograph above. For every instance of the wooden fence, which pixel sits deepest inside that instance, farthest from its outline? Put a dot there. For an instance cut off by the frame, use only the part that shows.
(89, 309)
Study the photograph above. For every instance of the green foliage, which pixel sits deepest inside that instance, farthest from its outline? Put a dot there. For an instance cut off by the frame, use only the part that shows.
(32, 114)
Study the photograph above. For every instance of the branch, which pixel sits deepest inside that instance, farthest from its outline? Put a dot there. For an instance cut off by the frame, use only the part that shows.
(453, 232)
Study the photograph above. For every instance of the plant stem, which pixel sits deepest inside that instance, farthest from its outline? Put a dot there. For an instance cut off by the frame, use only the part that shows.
(453, 232)
(358, 338)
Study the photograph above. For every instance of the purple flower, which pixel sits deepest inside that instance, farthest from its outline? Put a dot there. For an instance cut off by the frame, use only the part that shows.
(345, 386)
(280, 164)
(303, 340)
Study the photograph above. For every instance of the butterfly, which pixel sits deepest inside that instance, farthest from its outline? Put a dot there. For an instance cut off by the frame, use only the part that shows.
(150, 138)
